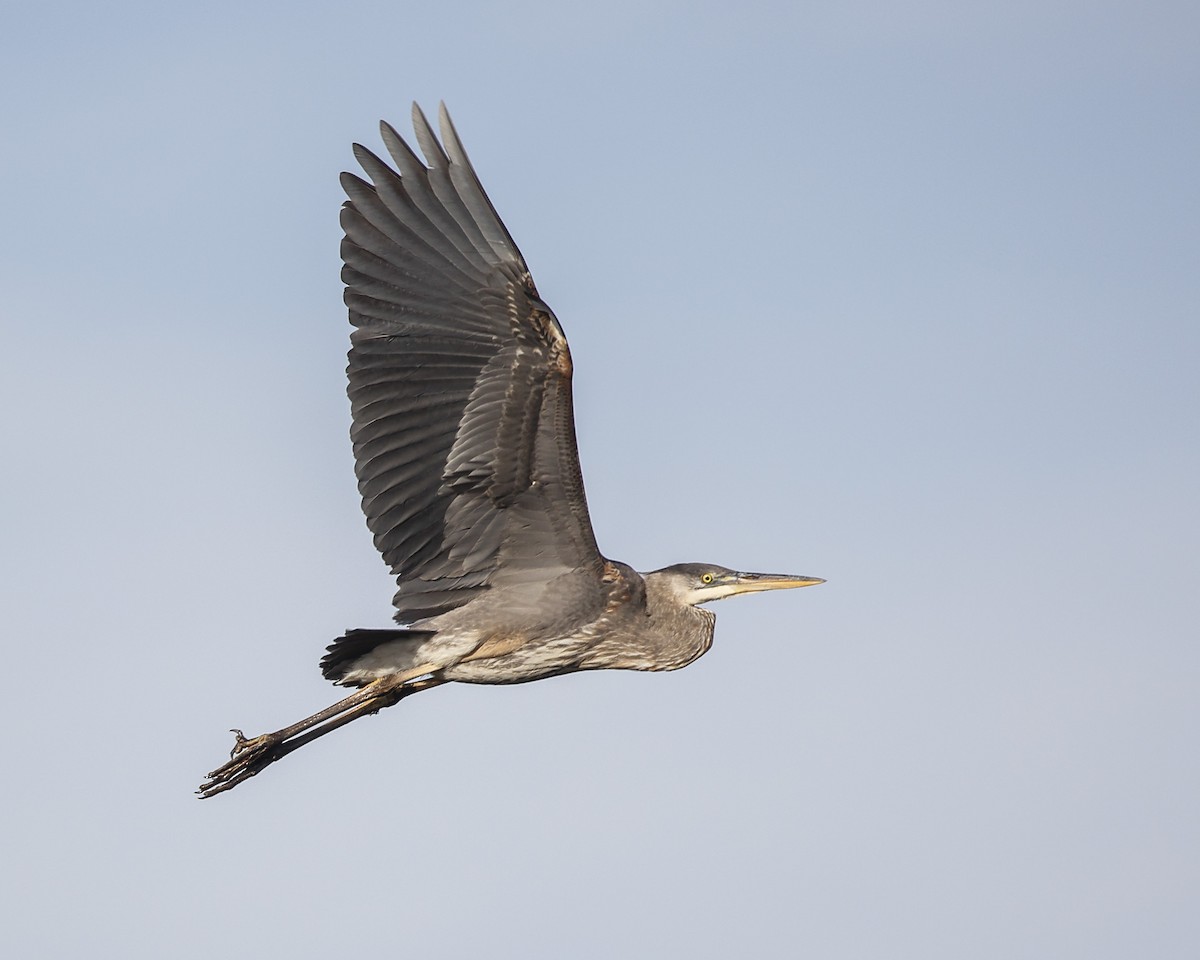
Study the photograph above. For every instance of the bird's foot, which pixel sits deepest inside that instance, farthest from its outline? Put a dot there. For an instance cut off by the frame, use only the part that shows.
(249, 756)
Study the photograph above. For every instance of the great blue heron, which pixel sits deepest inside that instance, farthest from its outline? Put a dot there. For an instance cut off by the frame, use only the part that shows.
(464, 443)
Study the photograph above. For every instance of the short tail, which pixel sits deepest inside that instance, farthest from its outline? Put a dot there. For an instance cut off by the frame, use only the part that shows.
(345, 653)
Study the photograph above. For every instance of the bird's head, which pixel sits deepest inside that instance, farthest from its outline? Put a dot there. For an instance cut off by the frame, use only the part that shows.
(695, 583)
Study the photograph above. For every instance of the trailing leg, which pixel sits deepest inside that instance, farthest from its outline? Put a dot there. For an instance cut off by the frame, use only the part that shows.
(252, 755)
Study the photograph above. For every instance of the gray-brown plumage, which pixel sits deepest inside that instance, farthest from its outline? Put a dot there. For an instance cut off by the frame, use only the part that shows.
(464, 444)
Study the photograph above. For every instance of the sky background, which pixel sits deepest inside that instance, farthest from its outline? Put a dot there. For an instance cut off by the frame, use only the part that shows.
(906, 296)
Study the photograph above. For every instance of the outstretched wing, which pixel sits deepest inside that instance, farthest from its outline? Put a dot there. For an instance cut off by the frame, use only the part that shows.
(460, 385)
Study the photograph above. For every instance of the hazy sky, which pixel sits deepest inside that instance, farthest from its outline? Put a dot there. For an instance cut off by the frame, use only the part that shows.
(906, 296)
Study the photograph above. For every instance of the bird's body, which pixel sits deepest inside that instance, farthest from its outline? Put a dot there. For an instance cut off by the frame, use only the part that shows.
(627, 621)
(464, 442)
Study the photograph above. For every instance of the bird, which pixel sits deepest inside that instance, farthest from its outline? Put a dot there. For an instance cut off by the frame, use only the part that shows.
(460, 383)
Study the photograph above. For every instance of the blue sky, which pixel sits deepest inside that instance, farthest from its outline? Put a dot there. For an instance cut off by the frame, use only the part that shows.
(901, 296)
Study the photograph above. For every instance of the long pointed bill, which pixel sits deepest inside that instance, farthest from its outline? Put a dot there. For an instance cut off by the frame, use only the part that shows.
(757, 582)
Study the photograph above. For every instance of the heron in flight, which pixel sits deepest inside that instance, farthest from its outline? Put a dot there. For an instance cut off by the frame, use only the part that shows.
(464, 446)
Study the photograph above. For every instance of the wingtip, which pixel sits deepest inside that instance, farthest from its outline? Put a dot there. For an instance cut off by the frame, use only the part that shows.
(446, 125)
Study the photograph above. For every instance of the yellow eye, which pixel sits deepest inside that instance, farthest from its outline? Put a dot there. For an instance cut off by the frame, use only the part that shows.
(706, 578)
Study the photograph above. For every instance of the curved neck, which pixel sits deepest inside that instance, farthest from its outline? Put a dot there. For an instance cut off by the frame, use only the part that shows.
(664, 634)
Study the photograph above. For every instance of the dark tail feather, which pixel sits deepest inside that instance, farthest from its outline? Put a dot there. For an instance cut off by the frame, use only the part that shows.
(345, 650)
